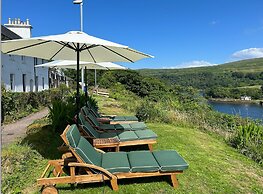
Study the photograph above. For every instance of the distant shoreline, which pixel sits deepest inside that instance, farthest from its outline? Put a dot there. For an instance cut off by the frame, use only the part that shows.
(231, 100)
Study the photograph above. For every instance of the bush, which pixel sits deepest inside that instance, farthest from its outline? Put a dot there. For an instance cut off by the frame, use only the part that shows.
(61, 114)
(249, 140)
(16, 105)
(63, 111)
(151, 111)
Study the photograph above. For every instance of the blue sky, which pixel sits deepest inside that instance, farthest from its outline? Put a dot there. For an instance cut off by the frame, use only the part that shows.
(179, 33)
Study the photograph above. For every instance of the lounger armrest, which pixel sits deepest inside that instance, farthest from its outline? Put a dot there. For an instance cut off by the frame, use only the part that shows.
(101, 141)
(85, 165)
(67, 155)
(104, 120)
(99, 150)
(111, 116)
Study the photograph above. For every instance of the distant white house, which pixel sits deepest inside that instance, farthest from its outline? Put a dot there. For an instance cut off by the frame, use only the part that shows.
(245, 98)
(19, 73)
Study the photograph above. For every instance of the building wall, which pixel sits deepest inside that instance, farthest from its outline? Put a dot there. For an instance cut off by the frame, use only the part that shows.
(18, 72)
(23, 32)
(21, 69)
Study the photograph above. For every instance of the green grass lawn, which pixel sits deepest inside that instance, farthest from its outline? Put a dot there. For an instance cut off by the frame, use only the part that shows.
(214, 167)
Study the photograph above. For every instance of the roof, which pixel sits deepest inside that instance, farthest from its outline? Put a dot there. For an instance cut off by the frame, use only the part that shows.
(7, 34)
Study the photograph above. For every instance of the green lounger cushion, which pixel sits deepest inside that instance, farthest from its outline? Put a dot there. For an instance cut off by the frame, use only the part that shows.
(138, 126)
(87, 127)
(170, 160)
(113, 118)
(130, 118)
(115, 162)
(142, 161)
(131, 126)
(125, 118)
(145, 134)
(118, 118)
(122, 126)
(93, 119)
(87, 153)
(107, 127)
(73, 136)
(109, 135)
(127, 136)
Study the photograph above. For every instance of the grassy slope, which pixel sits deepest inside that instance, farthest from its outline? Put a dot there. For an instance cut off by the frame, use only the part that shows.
(251, 65)
(214, 166)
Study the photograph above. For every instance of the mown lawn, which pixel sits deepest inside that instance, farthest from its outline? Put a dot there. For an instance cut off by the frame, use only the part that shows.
(214, 167)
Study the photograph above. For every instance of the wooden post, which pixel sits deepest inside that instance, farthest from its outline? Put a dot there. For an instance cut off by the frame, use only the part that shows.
(114, 184)
(174, 180)
(150, 147)
(72, 173)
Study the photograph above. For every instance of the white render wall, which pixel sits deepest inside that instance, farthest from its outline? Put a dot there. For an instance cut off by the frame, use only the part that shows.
(18, 65)
(24, 32)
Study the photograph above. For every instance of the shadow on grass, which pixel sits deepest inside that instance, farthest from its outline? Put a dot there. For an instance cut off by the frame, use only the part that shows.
(121, 182)
(44, 140)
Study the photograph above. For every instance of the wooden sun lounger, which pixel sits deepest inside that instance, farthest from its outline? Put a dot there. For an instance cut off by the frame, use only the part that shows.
(108, 119)
(83, 169)
(115, 143)
(90, 133)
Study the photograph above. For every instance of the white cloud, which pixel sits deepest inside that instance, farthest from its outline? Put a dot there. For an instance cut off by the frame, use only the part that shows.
(189, 64)
(248, 53)
(213, 22)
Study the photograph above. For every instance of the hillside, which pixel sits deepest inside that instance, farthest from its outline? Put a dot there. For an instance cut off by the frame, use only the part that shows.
(245, 66)
(230, 80)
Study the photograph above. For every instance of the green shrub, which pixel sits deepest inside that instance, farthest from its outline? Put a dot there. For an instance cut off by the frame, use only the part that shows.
(16, 105)
(61, 114)
(151, 111)
(92, 102)
(249, 140)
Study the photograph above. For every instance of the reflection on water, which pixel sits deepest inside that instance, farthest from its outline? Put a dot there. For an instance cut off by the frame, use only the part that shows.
(254, 111)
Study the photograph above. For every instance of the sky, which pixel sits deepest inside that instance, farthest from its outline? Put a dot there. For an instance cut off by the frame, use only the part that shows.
(178, 33)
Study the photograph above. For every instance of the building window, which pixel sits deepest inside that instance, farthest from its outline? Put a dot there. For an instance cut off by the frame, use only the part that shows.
(12, 82)
(31, 85)
(43, 82)
(11, 57)
(24, 82)
(35, 61)
(36, 83)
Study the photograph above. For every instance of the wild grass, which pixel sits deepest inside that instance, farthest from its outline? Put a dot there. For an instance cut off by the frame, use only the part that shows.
(214, 167)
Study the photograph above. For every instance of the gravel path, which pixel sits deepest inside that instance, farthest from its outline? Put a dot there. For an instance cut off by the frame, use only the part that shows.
(11, 132)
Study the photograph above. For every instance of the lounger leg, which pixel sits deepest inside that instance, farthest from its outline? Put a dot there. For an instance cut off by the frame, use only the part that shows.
(150, 147)
(117, 148)
(114, 184)
(174, 180)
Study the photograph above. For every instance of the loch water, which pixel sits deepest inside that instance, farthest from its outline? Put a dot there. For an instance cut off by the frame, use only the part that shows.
(254, 111)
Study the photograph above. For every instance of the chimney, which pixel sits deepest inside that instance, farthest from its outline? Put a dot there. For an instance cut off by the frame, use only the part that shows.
(19, 27)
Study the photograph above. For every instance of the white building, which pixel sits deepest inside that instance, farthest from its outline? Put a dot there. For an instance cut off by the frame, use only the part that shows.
(247, 98)
(18, 72)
